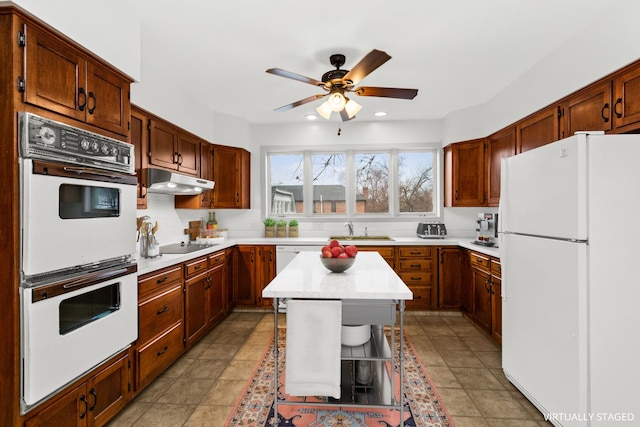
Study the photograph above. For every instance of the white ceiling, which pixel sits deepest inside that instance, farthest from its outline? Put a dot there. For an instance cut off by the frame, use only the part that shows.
(457, 53)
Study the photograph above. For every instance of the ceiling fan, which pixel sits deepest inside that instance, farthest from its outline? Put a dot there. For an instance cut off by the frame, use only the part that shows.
(339, 82)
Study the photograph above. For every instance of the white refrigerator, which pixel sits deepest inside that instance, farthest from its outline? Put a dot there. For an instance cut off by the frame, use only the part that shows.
(570, 255)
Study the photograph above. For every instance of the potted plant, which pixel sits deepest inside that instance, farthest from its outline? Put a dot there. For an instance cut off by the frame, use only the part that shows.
(293, 228)
(281, 228)
(269, 227)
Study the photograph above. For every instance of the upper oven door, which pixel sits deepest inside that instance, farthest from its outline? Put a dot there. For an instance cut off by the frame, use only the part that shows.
(72, 216)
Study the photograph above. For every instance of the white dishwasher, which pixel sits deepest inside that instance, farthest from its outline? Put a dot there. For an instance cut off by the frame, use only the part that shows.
(285, 253)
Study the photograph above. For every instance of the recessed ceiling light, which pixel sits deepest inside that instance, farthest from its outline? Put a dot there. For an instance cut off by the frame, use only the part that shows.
(380, 113)
(310, 116)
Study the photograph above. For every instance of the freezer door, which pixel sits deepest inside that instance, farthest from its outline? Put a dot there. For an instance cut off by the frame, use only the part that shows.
(544, 322)
(544, 191)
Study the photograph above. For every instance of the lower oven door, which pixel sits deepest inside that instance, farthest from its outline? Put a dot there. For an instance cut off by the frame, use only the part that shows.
(74, 216)
(72, 326)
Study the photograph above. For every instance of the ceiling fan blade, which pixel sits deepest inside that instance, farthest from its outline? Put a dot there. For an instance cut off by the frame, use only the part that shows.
(299, 103)
(370, 62)
(299, 77)
(386, 92)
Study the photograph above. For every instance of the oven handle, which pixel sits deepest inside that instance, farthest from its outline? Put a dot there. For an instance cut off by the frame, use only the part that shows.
(81, 171)
(97, 276)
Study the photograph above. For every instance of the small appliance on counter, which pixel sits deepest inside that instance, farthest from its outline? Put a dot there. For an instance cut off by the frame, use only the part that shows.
(431, 230)
(487, 229)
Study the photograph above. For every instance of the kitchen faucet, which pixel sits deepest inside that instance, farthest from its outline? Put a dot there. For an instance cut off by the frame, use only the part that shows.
(350, 225)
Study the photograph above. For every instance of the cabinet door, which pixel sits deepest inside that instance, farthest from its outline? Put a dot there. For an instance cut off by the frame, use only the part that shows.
(55, 75)
(496, 308)
(267, 269)
(465, 163)
(195, 317)
(449, 277)
(538, 129)
(215, 295)
(70, 410)
(244, 273)
(108, 105)
(188, 154)
(163, 145)
(109, 391)
(466, 291)
(589, 109)
(481, 282)
(140, 140)
(231, 172)
(626, 107)
(500, 145)
(228, 277)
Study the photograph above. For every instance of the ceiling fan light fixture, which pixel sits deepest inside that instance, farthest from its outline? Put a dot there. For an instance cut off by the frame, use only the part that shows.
(352, 108)
(324, 110)
(336, 101)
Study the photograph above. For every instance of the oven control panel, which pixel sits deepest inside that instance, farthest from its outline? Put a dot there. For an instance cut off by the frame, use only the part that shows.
(46, 139)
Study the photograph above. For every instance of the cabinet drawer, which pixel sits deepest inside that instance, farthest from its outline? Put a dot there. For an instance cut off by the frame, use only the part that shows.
(496, 267)
(480, 260)
(415, 265)
(387, 252)
(421, 299)
(217, 259)
(156, 356)
(159, 313)
(415, 251)
(194, 267)
(159, 280)
(419, 277)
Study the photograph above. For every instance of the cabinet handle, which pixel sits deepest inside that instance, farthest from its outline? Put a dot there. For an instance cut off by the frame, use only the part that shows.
(164, 279)
(415, 266)
(615, 107)
(605, 118)
(175, 157)
(179, 159)
(487, 285)
(83, 399)
(93, 393)
(197, 267)
(92, 109)
(163, 310)
(160, 353)
(414, 253)
(237, 197)
(83, 104)
(415, 278)
(456, 196)
(143, 191)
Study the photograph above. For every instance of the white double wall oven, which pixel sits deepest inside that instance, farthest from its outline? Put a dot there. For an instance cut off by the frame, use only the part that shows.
(78, 283)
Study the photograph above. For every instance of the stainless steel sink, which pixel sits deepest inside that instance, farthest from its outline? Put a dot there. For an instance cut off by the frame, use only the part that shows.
(181, 248)
(361, 237)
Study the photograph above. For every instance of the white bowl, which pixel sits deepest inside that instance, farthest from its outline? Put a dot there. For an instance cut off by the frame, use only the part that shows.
(355, 334)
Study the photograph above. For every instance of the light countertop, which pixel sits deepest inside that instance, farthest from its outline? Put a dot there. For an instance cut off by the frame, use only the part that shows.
(370, 278)
(147, 265)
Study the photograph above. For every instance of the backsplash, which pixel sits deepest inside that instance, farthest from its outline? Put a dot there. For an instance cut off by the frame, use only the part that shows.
(247, 223)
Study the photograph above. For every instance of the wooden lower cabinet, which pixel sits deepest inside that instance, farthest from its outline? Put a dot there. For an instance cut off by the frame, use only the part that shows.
(484, 275)
(387, 252)
(93, 402)
(254, 267)
(415, 267)
(449, 277)
(496, 300)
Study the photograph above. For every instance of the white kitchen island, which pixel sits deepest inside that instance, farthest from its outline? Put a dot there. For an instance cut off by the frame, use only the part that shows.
(371, 293)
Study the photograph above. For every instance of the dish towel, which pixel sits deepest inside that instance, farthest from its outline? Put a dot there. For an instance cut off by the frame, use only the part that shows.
(312, 361)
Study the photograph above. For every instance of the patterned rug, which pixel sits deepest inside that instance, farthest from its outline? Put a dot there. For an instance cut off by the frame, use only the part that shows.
(422, 403)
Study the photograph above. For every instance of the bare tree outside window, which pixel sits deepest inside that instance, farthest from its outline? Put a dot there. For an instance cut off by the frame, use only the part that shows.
(372, 182)
(415, 174)
(287, 183)
(329, 183)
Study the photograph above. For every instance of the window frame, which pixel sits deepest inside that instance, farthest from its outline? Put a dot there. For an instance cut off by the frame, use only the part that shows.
(350, 151)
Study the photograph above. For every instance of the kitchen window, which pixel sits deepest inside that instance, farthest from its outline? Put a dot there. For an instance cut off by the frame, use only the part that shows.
(370, 183)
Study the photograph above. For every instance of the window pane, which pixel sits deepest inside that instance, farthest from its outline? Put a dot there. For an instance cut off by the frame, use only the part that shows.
(415, 178)
(329, 184)
(286, 183)
(372, 183)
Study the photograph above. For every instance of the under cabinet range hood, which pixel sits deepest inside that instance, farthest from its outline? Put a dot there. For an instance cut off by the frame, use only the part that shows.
(162, 181)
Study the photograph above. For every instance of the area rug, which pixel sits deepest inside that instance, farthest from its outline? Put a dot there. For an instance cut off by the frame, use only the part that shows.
(423, 406)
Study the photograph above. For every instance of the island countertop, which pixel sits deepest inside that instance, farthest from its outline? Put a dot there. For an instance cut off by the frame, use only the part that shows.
(369, 278)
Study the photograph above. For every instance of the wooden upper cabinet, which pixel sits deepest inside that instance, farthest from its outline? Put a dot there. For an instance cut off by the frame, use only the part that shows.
(171, 148)
(626, 103)
(464, 173)
(587, 110)
(60, 78)
(232, 176)
(140, 139)
(188, 154)
(500, 145)
(538, 129)
(205, 199)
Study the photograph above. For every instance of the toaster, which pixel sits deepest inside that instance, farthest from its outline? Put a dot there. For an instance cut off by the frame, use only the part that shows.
(431, 230)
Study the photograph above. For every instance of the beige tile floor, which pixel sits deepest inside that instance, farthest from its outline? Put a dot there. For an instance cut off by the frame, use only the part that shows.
(201, 388)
